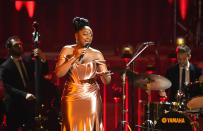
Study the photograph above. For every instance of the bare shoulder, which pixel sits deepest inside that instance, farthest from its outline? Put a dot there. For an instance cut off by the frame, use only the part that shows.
(96, 53)
(68, 47)
(67, 50)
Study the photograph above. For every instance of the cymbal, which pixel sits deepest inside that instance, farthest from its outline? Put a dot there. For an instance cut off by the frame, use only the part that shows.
(195, 103)
(156, 82)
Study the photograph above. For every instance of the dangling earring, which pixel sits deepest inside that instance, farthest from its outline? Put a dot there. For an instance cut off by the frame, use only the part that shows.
(76, 40)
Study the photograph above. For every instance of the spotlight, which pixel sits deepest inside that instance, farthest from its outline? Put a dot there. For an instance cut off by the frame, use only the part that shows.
(127, 51)
(29, 4)
(180, 41)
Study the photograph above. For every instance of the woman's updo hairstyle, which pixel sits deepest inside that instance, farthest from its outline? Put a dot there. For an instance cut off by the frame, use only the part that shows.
(79, 23)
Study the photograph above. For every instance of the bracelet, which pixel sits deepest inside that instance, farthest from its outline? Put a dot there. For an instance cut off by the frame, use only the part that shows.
(109, 73)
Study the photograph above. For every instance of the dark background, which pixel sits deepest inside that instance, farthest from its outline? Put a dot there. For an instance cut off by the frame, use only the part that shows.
(114, 22)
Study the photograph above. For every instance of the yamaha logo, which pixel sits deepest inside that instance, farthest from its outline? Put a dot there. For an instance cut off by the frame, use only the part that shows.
(172, 120)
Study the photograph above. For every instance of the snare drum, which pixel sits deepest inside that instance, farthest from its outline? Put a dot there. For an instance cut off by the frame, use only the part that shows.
(174, 121)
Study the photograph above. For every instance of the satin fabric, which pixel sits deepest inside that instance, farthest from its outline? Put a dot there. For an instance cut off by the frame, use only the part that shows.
(81, 104)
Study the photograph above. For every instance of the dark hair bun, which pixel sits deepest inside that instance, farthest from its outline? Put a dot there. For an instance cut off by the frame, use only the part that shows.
(79, 23)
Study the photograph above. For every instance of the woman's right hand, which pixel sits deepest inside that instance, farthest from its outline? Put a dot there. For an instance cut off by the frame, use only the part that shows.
(78, 52)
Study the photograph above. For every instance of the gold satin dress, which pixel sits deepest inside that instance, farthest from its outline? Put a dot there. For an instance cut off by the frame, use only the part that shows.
(81, 104)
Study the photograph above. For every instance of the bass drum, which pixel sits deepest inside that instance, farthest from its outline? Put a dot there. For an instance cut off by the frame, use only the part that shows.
(174, 121)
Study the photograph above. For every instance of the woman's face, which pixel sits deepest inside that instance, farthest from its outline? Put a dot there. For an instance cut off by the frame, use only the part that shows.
(84, 36)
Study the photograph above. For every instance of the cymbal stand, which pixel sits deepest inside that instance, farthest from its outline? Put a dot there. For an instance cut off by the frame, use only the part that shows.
(123, 122)
(148, 122)
(127, 67)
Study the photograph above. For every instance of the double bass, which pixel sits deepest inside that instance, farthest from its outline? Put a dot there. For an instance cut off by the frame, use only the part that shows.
(43, 113)
(40, 118)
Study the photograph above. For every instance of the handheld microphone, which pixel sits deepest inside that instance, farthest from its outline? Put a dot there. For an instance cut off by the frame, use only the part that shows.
(149, 43)
(86, 46)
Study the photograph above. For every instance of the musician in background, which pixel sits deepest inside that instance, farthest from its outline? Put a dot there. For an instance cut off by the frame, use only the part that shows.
(182, 73)
(17, 73)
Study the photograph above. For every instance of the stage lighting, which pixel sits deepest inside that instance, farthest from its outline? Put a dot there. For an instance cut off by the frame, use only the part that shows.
(127, 51)
(29, 4)
(180, 41)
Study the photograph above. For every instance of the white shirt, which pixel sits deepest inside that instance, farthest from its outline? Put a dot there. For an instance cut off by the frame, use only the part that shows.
(187, 75)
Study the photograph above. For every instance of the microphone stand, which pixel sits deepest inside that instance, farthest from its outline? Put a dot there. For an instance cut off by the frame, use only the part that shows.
(136, 55)
(132, 89)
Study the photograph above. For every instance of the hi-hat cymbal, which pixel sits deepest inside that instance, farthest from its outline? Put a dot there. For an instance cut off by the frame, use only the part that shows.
(156, 82)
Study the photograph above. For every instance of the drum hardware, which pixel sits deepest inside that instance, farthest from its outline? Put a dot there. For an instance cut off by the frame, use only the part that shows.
(145, 81)
(150, 129)
(150, 82)
(148, 123)
(124, 73)
(180, 96)
(124, 123)
(177, 106)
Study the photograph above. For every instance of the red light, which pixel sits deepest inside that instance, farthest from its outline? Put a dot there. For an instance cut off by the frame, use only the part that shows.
(126, 102)
(30, 6)
(126, 60)
(104, 107)
(163, 99)
(149, 72)
(18, 5)
(170, 1)
(116, 99)
(183, 8)
(33, 58)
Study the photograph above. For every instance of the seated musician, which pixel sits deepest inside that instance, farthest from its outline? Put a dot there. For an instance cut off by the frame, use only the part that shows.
(182, 73)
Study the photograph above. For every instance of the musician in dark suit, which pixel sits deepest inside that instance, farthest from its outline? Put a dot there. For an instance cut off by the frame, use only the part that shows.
(182, 73)
(16, 75)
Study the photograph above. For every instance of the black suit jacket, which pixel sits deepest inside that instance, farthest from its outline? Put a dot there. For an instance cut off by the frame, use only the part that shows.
(15, 91)
(172, 74)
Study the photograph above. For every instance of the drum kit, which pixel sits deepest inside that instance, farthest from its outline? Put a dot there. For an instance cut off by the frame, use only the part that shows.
(171, 116)
(168, 116)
